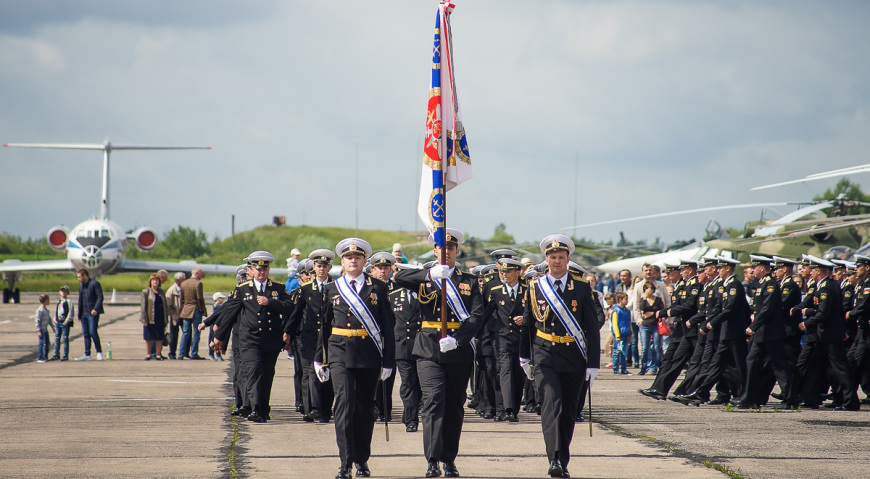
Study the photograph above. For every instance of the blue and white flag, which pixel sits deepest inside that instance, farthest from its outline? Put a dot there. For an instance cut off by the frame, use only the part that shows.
(446, 161)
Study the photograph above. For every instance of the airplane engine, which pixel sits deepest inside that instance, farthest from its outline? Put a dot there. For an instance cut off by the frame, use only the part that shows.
(145, 238)
(57, 237)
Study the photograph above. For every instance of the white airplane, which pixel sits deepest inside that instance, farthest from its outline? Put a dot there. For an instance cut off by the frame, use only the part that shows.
(98, 243)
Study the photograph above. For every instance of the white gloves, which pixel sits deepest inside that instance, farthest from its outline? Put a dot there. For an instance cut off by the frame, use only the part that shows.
(527, 368)
(439, 271)
(321, 372)
(591, 374)
(447, 343)
(385, 373)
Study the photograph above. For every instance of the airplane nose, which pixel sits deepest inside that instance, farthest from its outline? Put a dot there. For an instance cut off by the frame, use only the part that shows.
(92, 256)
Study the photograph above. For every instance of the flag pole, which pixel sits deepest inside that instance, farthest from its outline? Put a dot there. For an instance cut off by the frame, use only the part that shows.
(442, 153)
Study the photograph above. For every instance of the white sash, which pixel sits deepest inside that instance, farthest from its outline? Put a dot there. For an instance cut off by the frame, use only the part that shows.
(361, 311)
(453, 300)
(565, 316)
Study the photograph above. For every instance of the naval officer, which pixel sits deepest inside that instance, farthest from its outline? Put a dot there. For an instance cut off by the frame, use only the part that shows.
(358, 329)
(561, 344)
(444, 363)
(259, 306)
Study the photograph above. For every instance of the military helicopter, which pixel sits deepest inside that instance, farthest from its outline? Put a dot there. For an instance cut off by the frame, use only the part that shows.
(806, 230)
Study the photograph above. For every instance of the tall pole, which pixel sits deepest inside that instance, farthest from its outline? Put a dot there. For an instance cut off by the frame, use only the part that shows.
(356, 191)
(576, 176)
(104, 201)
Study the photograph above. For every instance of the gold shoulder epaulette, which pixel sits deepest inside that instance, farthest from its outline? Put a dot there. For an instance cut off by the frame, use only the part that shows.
(249, 282)
(307, 283)
(578, 277)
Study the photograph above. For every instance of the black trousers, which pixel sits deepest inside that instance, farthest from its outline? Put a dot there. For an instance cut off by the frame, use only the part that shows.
(385, 409)
(241, 392)
(808, 371)
(859, 359)
(839, 369)
(354, 406)
(491, 398)
(671, 368)
(559, 394)
(696, 364)
(173, 337)
(320, 395)
(764, 356)
(729, 363)
(529, 398)
(298, 373)
(259, 366)
(409, 391)
(443, 388)
(510, 378)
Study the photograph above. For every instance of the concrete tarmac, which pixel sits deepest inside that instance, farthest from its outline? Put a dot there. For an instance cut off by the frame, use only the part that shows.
(130, 417)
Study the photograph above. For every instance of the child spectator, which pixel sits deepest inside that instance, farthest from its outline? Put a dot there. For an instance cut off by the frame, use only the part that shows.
(219, 299)
(43, 322)
(608, 345)
(63, 321)
(620, 327)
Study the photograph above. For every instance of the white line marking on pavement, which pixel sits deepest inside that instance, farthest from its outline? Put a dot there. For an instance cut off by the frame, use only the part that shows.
(164, 382)
(154, 399)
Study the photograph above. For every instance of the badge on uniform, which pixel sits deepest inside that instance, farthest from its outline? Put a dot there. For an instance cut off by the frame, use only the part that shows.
(824, 296)
(721, 289)
(574, 305)
(501, 302)
(274, 294)
(374, 299)
(732, 291)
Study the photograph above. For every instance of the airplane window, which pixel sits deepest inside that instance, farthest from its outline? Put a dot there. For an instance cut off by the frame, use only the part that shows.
(104, 233)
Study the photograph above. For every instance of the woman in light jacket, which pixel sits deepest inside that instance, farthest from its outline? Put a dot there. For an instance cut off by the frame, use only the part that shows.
(153, 317)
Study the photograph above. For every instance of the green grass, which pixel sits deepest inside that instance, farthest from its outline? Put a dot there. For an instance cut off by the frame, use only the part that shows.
(126, 282)
(723, 469)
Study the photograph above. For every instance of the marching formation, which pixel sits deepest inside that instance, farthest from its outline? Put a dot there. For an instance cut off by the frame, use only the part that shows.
(743, 343)
(516, 329)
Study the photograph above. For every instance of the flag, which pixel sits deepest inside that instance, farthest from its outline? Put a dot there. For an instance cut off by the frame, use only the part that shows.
(446, 161)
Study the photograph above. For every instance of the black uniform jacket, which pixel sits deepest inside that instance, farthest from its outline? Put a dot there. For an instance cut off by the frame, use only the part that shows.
(791, 297)
(306, 317)
(767, 323)
(537, 315)
(712, 304)
(827, 315)
(500, 310)
(679, 287)
(685, 305)
(406, 314)
(861, 312)
(734, 315)
(426, 345)
(262, 326)
(357, 351)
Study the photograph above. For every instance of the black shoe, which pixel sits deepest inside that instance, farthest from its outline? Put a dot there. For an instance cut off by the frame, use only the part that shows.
(324, 419)
(579, 418)
(411, 428)
(54, 358)
(833, 405)
(529, 408)
(689, 400)
(362, 470)
(565, 473)
(512, 418)
(719, 400)
(236, 412)
(197, 356)
(343, 473)
(809, 406)
(64, 358)
(555, 469)
(866, 400)
(298, 408)
(777, 396)
(847, 408)
(171, 356)
(652, 393)
(161, 358)
(488, 415)
(641, 373)
(148, 358)
(434, 470)
(244, 411)
(500, 417)
(256, 417)
(312, 416)
(450, 470)
(747, 405)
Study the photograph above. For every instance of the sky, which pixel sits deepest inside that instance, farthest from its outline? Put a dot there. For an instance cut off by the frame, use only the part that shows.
(316, 111)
